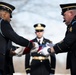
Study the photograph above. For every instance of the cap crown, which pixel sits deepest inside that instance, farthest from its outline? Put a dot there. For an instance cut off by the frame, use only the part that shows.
(6, 6)
(39, 26)
(66, 7)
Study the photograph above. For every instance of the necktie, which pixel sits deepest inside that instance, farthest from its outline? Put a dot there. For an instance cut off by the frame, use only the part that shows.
(39, 42)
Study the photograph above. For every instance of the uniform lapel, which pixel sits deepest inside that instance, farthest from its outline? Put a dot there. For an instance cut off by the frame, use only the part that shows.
(43, 41)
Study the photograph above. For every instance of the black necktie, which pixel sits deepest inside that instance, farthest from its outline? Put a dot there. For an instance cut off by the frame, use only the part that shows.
(39, 42)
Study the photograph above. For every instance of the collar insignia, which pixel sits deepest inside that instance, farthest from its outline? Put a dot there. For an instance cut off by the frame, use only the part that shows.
(70, 29)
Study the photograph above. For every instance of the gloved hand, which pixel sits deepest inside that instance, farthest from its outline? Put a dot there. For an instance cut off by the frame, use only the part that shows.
(45, 51)
(28, 74)
(35, 48)
(19, 51)
(49, 44)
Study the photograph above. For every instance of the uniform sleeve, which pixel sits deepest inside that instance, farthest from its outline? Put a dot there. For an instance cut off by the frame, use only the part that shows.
(53, 63)
(27, 63)
(9, 33)
(67, 42)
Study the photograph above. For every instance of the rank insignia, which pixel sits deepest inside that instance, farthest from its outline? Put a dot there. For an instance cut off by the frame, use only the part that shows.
(70, 29)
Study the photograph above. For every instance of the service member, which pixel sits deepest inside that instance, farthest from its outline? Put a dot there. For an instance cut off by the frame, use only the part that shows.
(9, 58)
(69, 42)
(7, 33)
(40, 64)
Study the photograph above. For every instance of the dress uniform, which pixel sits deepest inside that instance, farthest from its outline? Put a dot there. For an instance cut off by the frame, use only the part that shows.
(40, 64)
(9, 58)
(69, 42)
(7, 33)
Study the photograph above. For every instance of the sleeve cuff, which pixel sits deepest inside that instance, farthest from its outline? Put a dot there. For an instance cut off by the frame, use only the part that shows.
(27, 69)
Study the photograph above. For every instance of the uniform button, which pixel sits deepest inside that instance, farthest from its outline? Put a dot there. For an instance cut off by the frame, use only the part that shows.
(40, 60)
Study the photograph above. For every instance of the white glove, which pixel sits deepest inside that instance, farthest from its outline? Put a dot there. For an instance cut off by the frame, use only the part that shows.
(36, 45)
(28, 74)
(44, 51)
(19, 51)
(35, 49)
(49, 44)
(51, 74)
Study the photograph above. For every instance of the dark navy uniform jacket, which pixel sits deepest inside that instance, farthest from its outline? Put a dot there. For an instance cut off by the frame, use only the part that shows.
(69, 44)
(6, 34)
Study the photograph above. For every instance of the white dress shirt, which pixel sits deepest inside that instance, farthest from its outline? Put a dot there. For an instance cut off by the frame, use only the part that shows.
(41, 40)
